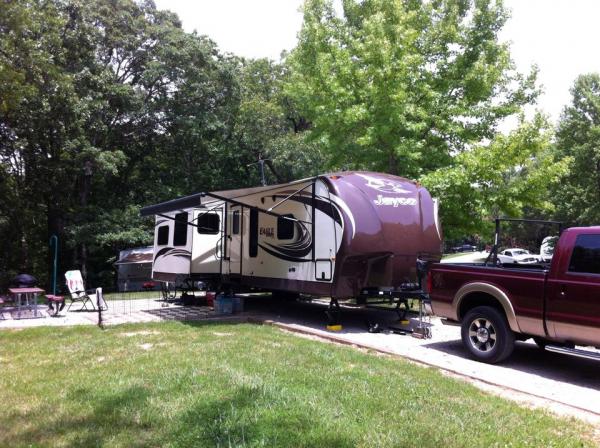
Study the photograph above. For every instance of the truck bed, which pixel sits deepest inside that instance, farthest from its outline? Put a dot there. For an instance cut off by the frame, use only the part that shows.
(524, 285)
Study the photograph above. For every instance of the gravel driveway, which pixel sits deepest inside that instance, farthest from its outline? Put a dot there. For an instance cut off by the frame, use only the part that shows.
(564, 384)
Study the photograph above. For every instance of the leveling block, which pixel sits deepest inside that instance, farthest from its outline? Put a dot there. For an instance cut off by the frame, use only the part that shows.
(333, 314)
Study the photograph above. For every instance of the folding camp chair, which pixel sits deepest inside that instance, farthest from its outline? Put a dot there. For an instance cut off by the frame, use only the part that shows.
(89, 298)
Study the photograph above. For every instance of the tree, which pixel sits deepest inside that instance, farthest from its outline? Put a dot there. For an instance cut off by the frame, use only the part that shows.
(402, 86)
(268, 126)
(578, 137)
(511, 176)
(93, 118)
(106, 106)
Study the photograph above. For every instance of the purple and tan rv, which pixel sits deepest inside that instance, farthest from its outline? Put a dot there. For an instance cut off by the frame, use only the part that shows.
(334, 235)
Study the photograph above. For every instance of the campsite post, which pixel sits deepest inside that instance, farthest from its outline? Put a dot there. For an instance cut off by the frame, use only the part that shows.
(54, 242)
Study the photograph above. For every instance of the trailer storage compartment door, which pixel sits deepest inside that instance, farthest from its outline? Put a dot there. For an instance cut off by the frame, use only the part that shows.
(323, 270)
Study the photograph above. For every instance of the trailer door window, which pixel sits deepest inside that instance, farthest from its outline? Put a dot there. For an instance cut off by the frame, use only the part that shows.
(209, 223)
(162, 238)
(181, 225)
(586, 255)
(235, 222)
(285, 227)
(253, 240)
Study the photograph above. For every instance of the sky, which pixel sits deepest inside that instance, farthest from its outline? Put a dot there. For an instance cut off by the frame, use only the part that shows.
(560, 36)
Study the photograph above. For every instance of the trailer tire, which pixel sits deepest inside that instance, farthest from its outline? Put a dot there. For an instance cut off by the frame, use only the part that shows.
(285, 296)
(486, 335)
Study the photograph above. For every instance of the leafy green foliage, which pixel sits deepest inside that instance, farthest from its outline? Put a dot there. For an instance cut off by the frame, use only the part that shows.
(267, 126)
(402, 86)
(578, 137)
(509, 177)
(109, 105)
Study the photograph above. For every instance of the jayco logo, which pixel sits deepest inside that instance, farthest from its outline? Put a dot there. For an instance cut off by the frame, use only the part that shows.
(393, 201)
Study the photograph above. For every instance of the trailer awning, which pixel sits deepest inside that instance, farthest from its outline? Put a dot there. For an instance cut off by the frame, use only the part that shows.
(198, 199)
(174, 204)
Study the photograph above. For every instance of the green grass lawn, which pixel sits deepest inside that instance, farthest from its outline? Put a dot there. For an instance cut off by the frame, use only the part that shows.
(181, 384)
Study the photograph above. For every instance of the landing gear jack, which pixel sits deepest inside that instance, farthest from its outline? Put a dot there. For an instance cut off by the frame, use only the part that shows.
(402, 310)
(333, 316)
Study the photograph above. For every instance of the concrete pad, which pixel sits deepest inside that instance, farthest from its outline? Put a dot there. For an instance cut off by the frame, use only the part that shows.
(118, 312)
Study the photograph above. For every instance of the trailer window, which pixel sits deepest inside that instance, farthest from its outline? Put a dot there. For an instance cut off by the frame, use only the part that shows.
(162, 238)
(181, 226)
(209, 223)
(586, 255)
(253, 243)
(235, 222)
(285, 227)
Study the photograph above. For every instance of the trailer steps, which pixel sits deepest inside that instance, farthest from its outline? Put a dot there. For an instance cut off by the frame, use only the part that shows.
(586, 354)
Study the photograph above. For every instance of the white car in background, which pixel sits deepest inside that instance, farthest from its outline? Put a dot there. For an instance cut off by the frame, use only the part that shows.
(516, 256)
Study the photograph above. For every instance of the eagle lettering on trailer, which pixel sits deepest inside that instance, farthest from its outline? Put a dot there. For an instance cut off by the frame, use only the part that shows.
(298, 250)
(269, 232)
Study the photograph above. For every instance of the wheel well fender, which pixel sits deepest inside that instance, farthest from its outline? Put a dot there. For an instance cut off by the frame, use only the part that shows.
(476, 294)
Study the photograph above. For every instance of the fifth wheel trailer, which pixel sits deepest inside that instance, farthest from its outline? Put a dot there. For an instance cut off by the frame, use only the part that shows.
(333, 235)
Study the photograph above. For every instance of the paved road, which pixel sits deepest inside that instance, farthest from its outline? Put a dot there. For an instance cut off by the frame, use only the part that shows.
(565, 384)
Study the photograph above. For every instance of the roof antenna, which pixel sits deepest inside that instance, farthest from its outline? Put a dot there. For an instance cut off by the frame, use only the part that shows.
(261, 168)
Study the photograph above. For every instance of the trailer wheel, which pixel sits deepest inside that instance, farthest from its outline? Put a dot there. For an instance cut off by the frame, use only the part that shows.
(486, 335)
(168, 291)
(402, 309)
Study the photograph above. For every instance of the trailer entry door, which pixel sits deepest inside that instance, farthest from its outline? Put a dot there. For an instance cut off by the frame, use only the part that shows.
(207, 249)
(234, 239)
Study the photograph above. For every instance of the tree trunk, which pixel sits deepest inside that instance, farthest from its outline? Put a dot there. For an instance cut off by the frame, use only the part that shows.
(55, 227)
(83, 200)
(392, 164)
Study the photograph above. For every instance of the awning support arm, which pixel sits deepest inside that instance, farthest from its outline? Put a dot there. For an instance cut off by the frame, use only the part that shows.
(262, 210)
(290, 196)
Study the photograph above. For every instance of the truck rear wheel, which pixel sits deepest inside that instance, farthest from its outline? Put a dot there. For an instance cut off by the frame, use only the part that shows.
(486, 335)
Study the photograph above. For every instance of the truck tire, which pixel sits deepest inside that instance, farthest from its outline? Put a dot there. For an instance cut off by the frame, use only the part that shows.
(486, 335)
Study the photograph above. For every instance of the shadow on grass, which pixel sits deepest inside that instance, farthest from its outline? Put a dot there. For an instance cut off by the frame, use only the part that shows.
(247, 418)
(103, 418)
(250, 418)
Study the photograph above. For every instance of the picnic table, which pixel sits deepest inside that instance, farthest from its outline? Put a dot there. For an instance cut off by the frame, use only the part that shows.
(31, 303)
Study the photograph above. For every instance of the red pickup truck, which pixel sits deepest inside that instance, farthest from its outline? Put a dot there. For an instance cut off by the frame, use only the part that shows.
(558, 306)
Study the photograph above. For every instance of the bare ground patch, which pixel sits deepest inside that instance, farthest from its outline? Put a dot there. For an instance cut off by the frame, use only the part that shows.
(130, 334)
